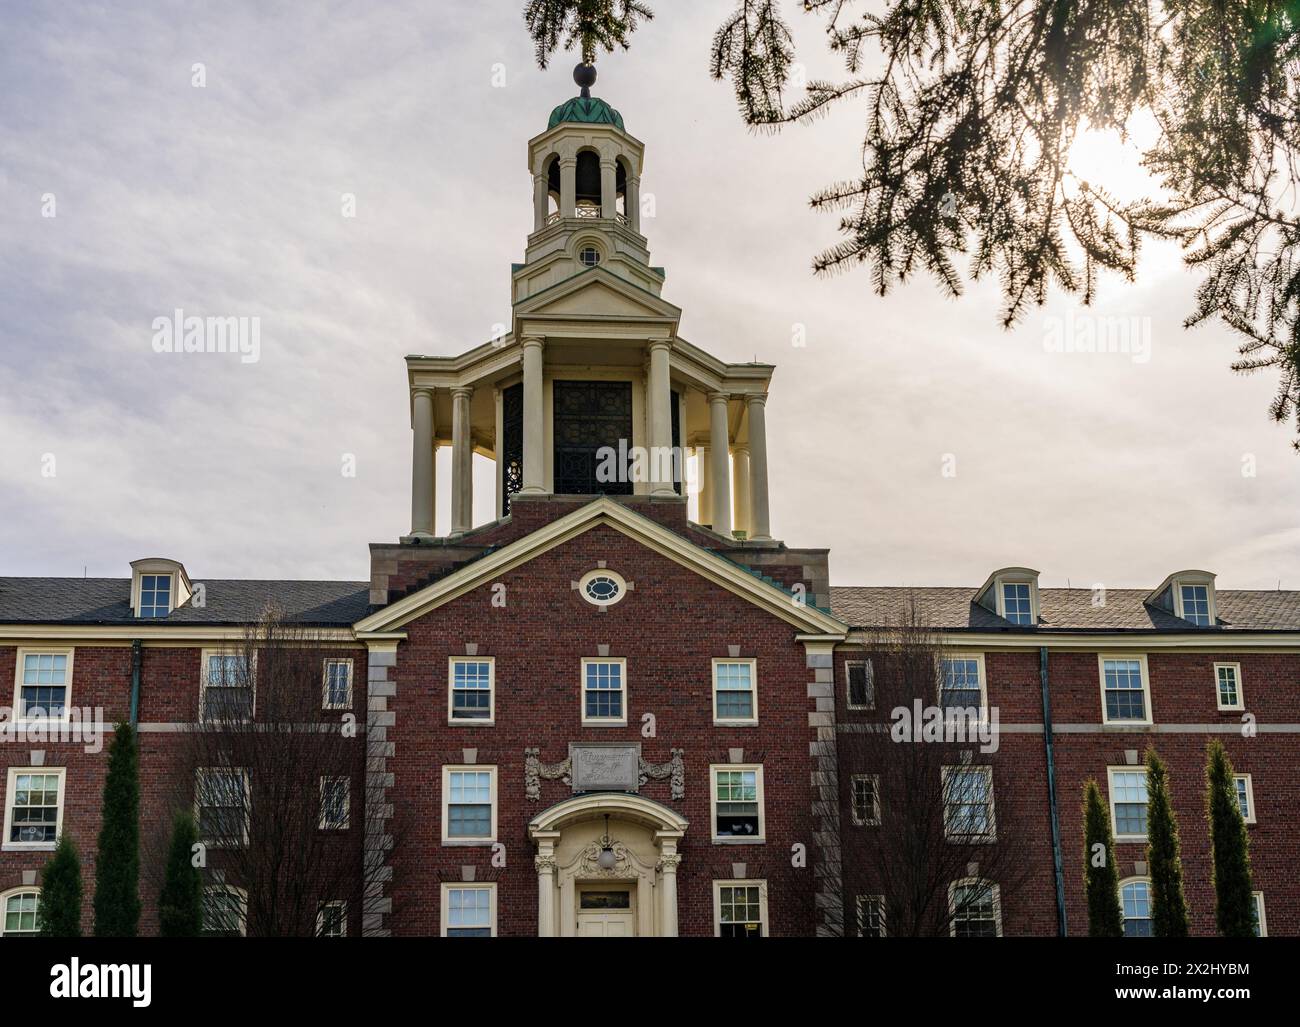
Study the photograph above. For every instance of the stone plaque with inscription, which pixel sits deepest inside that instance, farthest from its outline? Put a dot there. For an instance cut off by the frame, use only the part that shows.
(608, 767)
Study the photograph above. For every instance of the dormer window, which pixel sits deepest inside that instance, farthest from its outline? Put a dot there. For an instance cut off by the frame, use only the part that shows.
(155, 595)
(158, 587)
(1012, 594)
(1196, 604)
(1016, 602)
(1189, 596)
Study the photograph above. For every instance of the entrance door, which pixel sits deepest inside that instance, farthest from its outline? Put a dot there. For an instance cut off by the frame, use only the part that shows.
(605, 913)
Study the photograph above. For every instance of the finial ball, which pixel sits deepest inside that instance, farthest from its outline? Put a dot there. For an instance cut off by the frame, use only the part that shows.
(585, 75)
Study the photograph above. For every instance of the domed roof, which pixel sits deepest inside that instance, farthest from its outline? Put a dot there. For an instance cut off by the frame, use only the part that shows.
(585, 110)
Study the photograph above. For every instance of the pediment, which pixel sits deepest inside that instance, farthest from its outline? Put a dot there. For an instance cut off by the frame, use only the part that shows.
(598, 293)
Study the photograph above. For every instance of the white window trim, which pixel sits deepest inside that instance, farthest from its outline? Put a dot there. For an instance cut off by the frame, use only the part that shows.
(346, 823)
(984, 684)
(582, 692)
(204, 656)
(1000, 595)
(873, 821)
(849, 704)
(1208, 584)
(5, 896)
(602, 572)
(1218, 696)
(1136, 879)
(44, 650)
(491, 720)
(1258, 896)
(447, 771)
(980, 839)
(997, 903)
(198, 804)
(445, 903)
(243, 905)
(325, 703)
(1110, 801)
(1250, 795)
(718, 839)
(859, 906)
(11, 786)
(753, 688)
(1141, 659)
(761, 883)
(320, 917)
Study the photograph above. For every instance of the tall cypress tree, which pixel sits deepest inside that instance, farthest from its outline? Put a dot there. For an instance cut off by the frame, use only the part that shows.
(1100, 878)
(59, 913)
(1234, 904)
(180, 904)
(1168, 903)
(117, 864)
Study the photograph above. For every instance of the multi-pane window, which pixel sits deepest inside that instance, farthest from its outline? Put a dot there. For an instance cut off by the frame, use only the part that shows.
(335, 803)
(871, 916)
(471, 690)
(155, 595)
(34, 808)
(866, 799)
(1228, 679)
(1245, 797)
(1135, 901)
(337, 685)
(1128, 803)
(959, 684)
(1257, 914)
(43, 686)
(603, 692)
(738, 802)
(973, 908)
(740, 910)
(227, 687)
(332, 920)
(1196, 604)
(223, 801)
(224, 910)
(734, 691)
(468, 912)
(1016, 602)
(968, 803)
(1123, 690)
(468, 802)
(19, 913)
(861, 685)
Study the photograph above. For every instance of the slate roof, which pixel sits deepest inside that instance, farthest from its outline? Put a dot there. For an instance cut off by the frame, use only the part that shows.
(1062, 609)
(228, 601)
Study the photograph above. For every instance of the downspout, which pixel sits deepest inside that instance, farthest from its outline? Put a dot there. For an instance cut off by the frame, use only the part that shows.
(1051, 793)
(135, 683)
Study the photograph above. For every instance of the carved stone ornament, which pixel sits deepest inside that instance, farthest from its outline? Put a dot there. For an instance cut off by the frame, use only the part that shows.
(589, 862)
(675, 769)
(535, 770)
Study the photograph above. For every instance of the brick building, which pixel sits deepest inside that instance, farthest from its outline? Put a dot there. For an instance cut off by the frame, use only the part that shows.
(620, 707)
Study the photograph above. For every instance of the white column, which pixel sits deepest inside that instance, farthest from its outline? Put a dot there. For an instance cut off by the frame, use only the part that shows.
(761, 525)
(545, 864)
(720, 449)
(661, 420)
(534, 426)
(668, 864)
(705, 471)
(423, 448)
(540, 196)
(608, 184)
(740, 487)
(632, 203)
(568, 186)
(462, 463)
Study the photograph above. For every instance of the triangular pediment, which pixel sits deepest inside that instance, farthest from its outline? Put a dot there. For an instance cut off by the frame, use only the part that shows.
(598, 293)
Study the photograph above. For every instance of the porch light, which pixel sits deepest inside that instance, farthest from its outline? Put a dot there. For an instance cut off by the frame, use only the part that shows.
(606, 859)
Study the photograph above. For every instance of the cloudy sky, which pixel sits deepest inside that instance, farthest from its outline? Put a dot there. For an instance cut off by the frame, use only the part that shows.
(225, 200)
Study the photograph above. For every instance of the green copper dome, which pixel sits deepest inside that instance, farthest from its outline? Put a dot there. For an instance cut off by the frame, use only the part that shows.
(585, 111)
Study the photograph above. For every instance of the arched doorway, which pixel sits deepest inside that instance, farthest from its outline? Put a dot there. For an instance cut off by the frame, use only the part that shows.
(634, 892)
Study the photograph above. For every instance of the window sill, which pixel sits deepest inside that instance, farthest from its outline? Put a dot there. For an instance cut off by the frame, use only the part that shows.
(1122, 726)
(461, 722)
(739, 841)
(735, 723)
(463, 843)
(604, 723)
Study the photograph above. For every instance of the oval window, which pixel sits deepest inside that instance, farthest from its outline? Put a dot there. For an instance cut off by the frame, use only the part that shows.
(602, 587)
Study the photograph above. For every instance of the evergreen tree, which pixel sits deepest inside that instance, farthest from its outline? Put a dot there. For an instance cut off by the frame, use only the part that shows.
(117, 863)
(1234, 903)
(59, 913)
(1168, 904)
(1100, 879)
(180, 904)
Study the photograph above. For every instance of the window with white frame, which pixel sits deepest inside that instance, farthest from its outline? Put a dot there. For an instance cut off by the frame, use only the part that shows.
(1261, 921)
(1196, 604)
(861, 685)
(469, 815)
(866, 799)
(1125, 694)
(1128, 803)
(225, 911)
(871, 916)
(974, 909)
(1017, 602)
(33, 807)
(469, 910)
(737, 796)
(223, 802)
(740, 909)
(44, 683)
(968, 803)
(1245, 797)
(335, 803)
(155, 595)
(961, 683)
(18, 912)
(471, 696)
(604, 692)
(735, 692)
(1135, 904)
(332, 919)
(337, 686)
(1227, 677)
(227, 687)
